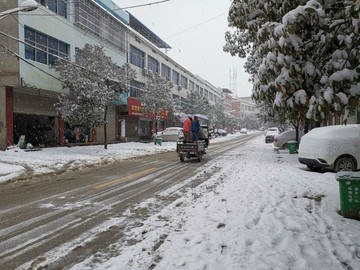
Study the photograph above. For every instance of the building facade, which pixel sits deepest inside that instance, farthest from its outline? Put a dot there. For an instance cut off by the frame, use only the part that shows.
(29, 87)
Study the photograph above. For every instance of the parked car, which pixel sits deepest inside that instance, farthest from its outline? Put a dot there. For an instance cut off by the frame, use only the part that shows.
(281, 140)
(332, 147)
(270, 133)
(218, 132)
(172, 134)
(243, 131)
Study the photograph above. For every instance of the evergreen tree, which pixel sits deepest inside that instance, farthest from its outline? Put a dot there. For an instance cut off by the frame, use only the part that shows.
(93, 81)
(217, 115)
(195, 103)
(303, 56)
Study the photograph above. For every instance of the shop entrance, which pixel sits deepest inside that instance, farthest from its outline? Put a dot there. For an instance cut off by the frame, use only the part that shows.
(39, 130)
(145, 130)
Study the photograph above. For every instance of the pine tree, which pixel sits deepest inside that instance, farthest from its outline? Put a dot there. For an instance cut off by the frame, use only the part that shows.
(92, 82)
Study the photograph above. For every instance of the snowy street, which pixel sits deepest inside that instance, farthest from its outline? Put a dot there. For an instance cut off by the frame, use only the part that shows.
(259, 209)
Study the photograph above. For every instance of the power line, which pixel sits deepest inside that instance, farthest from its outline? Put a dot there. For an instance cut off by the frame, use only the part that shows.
(28, 62)
(142, 5)
(192, 27)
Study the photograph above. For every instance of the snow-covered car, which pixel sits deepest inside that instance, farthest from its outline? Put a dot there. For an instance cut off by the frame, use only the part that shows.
(270, 133)
(281, 140)
(332, 147)
(243, 131)
(172, 134)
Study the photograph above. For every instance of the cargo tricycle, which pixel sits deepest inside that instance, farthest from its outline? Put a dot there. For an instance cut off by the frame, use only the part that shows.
(194, 149)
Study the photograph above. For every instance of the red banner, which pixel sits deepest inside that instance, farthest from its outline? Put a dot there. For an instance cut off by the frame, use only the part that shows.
(135, 109)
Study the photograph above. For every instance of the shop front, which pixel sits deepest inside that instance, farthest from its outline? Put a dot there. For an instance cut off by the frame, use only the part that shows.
(32, 114)
(134, 125)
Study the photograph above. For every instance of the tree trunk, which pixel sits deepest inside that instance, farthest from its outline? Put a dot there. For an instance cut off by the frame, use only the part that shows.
(156, 130)
(105, 126)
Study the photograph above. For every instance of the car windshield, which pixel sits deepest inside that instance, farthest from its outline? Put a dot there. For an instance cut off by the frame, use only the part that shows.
(172, 130)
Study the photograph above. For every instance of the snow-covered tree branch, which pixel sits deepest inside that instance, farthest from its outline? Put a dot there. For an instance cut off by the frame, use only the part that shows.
(93, 81)
(303, 56)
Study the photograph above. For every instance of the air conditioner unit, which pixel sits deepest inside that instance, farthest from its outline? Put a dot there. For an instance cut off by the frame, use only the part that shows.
(145, 72)
(179, 87)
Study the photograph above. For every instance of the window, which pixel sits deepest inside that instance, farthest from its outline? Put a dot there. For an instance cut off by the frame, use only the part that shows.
(165, 71)
(191, 85)
(135, 89)
(201, 91)
(197, 89)
(184, 82)
(176, 77)
(91, 17)
(57, 6)
(47, 49)
(137, 57)
(153, 64)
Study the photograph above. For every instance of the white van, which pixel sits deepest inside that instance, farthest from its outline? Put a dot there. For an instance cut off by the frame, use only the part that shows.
(332, 147)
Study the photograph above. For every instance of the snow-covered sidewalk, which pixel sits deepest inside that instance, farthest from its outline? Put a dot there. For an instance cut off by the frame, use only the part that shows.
(15, 162)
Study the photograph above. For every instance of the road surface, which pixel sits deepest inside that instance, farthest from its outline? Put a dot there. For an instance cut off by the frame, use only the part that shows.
(59, 220)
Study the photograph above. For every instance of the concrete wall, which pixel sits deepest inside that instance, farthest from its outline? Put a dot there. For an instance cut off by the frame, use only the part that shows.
(9, 65)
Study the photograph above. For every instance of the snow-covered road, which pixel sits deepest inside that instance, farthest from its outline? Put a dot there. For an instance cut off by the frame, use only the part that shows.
(260, 210)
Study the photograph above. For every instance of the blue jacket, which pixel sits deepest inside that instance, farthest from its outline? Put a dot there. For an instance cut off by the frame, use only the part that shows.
(195, 126)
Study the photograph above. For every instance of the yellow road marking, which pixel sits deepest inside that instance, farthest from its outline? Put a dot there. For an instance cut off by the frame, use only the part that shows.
(120, 180)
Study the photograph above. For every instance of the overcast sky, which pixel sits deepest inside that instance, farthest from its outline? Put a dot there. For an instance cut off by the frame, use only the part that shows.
(195, 30)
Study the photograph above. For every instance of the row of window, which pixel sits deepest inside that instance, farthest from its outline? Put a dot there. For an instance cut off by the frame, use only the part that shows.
(137, 58)
(42, 48)
(57, 6)
(92, 18)
(46, 49)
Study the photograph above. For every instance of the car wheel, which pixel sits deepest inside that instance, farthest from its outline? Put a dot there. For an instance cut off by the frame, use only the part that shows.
(344, 164)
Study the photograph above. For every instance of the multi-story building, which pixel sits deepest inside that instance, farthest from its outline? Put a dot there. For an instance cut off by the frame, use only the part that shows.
(247, 107)
(232, 103)
(29, 87)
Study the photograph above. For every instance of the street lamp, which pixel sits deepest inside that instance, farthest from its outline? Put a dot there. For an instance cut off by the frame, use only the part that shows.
(27, 5)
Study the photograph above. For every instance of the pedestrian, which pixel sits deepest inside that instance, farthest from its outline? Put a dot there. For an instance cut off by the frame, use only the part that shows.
(187, 129)
(195, 129)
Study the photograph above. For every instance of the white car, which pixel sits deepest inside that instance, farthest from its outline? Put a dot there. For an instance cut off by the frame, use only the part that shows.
(243, 131)
(281, 140)
(332, 147)
(270, 134)
(172, 134)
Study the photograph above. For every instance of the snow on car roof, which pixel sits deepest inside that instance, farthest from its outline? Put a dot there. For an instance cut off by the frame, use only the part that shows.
(323, 141)
(335, 131)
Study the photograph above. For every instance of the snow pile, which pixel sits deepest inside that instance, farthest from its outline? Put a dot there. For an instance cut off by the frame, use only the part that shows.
(15, 162)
